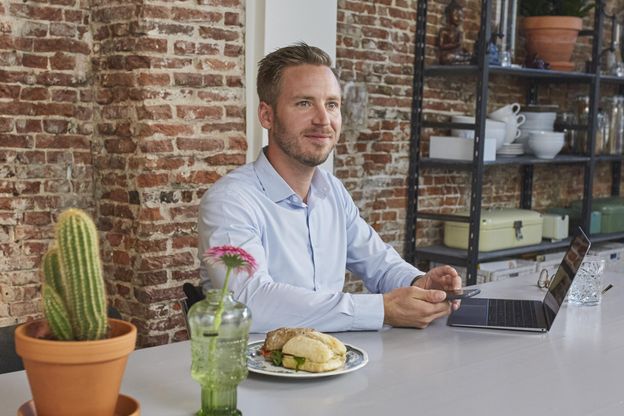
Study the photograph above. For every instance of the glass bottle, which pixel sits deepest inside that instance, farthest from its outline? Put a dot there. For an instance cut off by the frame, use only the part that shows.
(219, 354)
(602, 132)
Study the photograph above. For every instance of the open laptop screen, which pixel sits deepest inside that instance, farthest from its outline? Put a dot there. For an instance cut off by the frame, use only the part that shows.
(561, 282)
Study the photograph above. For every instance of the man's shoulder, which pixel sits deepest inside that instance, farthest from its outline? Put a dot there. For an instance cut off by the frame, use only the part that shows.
(240, 181)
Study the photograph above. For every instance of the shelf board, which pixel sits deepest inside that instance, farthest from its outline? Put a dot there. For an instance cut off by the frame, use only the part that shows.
(518, 160)
(608, 158)
(597, 238)
(611, 79)
(424, 215)
(458, 256)
(543, 74)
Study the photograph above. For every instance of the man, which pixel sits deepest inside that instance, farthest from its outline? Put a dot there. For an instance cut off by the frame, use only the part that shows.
(300, 223)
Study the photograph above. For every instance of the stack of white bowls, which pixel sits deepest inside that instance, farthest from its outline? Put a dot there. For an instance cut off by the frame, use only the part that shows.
(535, 122)
(493, 129)
(545, 144)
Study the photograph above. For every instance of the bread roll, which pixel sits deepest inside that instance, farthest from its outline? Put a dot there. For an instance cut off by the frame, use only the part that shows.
(322, 352)
(310, 348)
(276, 339)
(333, 364)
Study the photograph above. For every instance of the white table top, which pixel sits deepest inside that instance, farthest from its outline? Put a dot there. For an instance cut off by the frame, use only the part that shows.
(575, 369)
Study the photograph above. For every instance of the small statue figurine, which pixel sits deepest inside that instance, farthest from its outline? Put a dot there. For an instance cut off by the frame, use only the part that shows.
(451, 37)
(532, 60)
(491, 50)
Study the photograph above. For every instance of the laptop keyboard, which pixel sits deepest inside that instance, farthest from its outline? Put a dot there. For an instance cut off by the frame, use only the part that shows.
(518, 313)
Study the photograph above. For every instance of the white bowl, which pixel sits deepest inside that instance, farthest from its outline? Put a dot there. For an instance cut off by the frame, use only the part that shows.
(546, 145)
(539, 121)
(540, 116)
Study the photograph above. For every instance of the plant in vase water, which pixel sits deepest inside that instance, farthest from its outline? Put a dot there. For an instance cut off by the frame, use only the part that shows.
(219, 329)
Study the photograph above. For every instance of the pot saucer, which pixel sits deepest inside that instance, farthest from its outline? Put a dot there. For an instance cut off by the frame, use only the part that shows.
(126, 406)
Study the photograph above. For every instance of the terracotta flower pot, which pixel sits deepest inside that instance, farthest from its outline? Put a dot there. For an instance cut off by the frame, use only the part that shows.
(73, 378)
(552, 38)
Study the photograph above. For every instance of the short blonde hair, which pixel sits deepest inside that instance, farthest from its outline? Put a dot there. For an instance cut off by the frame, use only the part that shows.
(271, 67)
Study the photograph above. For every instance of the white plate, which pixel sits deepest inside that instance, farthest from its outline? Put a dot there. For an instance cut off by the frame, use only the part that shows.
(256, 363)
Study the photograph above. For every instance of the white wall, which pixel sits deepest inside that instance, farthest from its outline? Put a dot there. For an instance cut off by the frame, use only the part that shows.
(272, 24)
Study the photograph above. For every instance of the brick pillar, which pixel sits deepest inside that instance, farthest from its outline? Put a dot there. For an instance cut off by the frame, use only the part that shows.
(170, 123)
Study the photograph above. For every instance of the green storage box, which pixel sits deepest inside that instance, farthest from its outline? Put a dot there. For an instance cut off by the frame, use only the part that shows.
(500, 228)
(612, 210)
(575, 219)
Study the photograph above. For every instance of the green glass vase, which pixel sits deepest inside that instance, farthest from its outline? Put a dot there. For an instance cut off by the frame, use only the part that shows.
(219, 328)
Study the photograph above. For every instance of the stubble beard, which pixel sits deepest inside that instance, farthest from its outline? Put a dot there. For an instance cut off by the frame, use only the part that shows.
(291, 146)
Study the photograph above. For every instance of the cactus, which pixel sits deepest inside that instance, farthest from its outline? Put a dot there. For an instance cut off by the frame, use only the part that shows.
(74, 299)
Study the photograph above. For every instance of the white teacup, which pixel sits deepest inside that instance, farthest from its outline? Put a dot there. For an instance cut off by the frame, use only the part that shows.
(507, 111)
(511, 127)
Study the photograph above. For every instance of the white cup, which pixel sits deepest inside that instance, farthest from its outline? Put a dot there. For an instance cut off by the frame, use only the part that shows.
(502, 113)
(511, 127)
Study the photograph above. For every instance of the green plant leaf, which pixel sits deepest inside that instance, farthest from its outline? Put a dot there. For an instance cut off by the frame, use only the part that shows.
(299, 362)
(276, 357)
(577, 8)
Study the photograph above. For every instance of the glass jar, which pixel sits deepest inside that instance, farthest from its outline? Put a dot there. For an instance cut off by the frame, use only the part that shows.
(219, 331)
(615, 110)
(565, 123)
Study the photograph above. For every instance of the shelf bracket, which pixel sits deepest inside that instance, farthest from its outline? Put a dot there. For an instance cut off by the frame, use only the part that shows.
(531, 98)
(616, 178)
(527, 187)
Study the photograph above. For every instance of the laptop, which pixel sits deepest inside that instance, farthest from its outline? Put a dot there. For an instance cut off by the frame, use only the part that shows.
(525, 315)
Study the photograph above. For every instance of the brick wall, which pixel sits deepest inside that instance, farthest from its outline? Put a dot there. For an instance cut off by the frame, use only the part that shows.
(139, 103)
(45, 137)
(131, 109)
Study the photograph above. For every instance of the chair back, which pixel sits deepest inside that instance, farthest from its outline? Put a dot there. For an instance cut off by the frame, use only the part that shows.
(9, 360)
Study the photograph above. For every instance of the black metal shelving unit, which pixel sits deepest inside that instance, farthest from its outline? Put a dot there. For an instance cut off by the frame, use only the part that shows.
(471, 257)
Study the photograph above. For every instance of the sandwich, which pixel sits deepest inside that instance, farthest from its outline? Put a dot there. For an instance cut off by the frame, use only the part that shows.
(304, 349)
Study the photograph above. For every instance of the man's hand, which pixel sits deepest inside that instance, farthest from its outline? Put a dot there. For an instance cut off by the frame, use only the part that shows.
(414, 307)
(418, 305)
(442, 277)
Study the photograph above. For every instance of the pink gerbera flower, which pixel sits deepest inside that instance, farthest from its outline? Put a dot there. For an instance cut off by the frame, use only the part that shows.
(234, 258)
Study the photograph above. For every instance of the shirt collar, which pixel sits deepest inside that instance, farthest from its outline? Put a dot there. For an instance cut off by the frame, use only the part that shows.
(276, 187)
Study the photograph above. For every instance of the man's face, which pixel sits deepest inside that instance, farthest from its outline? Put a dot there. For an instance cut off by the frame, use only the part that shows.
(304, 123)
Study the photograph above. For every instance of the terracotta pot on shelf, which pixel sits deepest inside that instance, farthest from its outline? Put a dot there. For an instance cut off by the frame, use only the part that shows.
(552, 38)
(73, 378)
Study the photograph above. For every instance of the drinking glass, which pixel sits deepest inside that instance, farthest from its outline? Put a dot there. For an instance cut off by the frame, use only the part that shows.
(587, 285)
(505, 59)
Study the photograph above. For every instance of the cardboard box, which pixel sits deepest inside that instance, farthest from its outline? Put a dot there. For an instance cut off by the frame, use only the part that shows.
(497, 270)
(613, 253)
(549, 262)
(459, 148)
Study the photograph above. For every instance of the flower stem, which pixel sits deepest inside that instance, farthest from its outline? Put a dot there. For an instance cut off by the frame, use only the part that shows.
(219, 313)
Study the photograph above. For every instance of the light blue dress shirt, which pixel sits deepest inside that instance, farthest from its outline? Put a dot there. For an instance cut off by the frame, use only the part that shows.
(302, 250)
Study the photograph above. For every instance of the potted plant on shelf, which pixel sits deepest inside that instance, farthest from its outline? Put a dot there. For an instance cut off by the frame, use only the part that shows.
(75, 357)
(551, 28)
